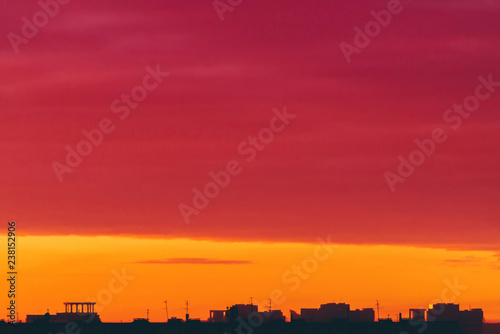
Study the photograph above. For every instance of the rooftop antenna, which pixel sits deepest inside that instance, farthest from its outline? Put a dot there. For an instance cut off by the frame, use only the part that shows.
(270, 305)
(166, 308)
(251, 301)
(378, 311)
(147, 317)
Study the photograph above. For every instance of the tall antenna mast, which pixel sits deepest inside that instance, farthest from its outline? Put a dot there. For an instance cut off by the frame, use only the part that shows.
(166, 308)
(270, 305)
(378, 311)
(187, 310)
(147, 317)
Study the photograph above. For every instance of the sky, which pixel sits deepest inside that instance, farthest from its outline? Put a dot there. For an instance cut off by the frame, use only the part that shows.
(323, 174)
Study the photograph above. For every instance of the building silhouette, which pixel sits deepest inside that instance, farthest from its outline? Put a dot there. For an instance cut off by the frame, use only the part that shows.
(443, 312)
(245, 311)
(363, 315)
(74, 311)
(334, 311)
(417, 314)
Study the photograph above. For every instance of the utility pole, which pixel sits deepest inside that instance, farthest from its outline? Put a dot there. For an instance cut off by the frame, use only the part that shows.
(378, 311)
(166, 308)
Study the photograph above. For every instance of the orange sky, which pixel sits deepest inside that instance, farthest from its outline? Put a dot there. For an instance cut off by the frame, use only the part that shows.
(213, 275)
